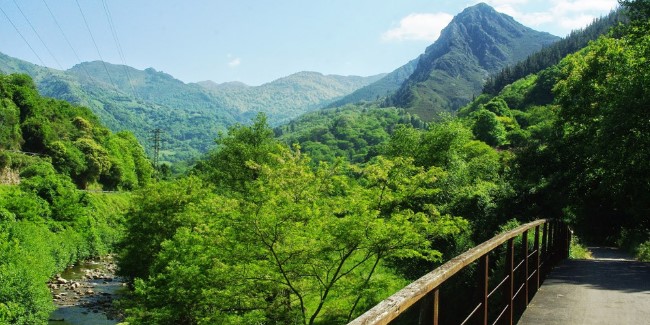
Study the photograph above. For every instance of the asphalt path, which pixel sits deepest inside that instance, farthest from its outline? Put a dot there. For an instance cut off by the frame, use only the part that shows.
(610, 289)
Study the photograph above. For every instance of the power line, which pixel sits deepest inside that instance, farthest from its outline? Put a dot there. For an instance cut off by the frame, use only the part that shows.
(67, 40)
(38, 35)
(96, 47)
(23, 37)
(119, 47)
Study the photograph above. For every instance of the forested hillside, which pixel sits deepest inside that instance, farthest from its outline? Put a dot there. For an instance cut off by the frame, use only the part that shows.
(289, 97)
(189, 115)
(552, 54)
(354, 132)
(579, 132)
(51, 152)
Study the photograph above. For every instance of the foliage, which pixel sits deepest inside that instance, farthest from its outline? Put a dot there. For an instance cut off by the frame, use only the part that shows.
(46, 222)
(290, 243)
(78, 145)
(355, 133)
(638, 10)
(42, 231)
(643, 252)
(603, 94)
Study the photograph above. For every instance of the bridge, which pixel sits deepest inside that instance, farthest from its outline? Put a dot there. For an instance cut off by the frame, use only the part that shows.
(495, 282)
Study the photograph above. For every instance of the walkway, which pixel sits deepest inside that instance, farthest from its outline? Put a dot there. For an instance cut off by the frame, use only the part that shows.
(610, 289)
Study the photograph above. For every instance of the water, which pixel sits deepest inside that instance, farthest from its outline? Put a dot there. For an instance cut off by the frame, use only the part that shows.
(90, 303)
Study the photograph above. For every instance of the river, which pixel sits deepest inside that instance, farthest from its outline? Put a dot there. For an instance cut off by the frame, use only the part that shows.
(84, 294)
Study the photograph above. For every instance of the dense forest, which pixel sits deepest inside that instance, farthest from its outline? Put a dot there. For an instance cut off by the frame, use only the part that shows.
(315, 221)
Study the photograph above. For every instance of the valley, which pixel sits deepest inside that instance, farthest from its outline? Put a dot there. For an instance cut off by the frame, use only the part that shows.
(311, 198)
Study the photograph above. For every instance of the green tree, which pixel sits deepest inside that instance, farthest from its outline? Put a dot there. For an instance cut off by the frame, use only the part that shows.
(488, 128)
(230, 165)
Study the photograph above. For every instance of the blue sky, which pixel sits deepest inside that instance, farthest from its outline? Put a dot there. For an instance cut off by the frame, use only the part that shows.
(254, 41)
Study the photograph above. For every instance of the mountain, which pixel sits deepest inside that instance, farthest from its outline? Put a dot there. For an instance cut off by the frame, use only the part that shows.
(189, 115)
(478, 42)
(384, 87)
(288, 97)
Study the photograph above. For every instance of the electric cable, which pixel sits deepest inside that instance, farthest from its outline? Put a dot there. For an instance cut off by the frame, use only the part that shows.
(118, 45)
(67, 40)
(96, 47)
(23, 37)
(38, 35)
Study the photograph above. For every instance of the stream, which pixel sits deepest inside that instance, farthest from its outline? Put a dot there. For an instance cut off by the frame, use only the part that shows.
(84, 294)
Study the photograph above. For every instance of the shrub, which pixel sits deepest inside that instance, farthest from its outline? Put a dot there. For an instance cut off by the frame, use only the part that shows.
(643, 252)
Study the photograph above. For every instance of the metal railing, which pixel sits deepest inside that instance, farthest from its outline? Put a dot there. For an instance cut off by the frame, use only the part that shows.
(523, 268)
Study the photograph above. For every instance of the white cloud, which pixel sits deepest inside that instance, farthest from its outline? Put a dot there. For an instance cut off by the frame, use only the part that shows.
(560, 15)
(576, 22)
(418, 27)
(234, 62)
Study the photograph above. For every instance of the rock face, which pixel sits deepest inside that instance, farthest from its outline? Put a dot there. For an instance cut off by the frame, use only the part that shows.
(479, 41)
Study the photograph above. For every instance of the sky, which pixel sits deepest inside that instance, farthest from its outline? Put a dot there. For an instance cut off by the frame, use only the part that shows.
(254, 41)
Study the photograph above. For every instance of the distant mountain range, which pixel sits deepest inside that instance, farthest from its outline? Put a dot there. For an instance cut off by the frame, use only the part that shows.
(190, 115)
(288, 97)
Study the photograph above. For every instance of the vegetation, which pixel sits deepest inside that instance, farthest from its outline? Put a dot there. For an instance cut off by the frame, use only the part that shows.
(576, 130)
(578, 250)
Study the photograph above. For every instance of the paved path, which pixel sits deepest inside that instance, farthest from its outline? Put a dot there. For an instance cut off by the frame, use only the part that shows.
(610, 289)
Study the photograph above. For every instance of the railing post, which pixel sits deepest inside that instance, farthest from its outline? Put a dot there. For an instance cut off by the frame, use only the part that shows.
(429, 308)
(552, 243)
(436, 299)
(545, 248)
(510, 262)
(484, 269)
(537, 258)
(524, 243)
(567, 237)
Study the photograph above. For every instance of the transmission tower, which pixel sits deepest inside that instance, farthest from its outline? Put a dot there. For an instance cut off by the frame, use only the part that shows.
(156, 138)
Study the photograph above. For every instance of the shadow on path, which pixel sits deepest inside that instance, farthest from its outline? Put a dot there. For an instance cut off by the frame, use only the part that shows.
(612, 288)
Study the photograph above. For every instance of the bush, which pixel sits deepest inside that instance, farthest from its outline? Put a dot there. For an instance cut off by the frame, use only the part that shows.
(643, 252)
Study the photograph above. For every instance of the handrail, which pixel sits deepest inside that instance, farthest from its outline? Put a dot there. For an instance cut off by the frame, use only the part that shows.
(552, 249)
